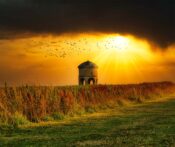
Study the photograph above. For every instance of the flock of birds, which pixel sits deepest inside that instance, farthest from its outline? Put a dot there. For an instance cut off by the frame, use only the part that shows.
(64, 48)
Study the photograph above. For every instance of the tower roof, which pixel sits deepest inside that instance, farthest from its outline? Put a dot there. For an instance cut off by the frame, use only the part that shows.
(88, 64)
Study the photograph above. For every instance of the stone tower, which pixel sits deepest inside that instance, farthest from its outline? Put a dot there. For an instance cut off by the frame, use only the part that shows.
(88, 73)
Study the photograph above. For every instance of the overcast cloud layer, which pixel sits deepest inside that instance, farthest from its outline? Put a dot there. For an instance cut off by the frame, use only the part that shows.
(152, 19)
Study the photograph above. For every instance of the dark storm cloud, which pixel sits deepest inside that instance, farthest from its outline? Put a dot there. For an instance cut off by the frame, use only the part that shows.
(152, 19)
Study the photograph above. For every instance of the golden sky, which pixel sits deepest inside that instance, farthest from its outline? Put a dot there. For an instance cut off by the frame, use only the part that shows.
(53, 60)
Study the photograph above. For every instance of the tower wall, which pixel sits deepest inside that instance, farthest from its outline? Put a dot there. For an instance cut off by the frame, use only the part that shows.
(88, 73)
(88, 76)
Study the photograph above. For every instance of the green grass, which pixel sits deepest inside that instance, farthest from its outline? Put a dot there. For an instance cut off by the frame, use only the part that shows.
(147, 124)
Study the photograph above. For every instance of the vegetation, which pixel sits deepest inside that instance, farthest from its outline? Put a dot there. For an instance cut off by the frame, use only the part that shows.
(104, 115)
(21, 105)
(25, 104)
(146, 124)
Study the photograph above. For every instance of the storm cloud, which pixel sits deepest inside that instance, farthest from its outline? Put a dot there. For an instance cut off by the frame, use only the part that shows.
(151, 19)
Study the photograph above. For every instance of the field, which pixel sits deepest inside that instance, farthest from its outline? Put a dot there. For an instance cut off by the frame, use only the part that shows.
(149, 124)
(130, 115)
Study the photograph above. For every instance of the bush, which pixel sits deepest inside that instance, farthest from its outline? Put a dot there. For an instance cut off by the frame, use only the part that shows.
(47, 118)
(90, 109)
(19, 119)
(57, 116)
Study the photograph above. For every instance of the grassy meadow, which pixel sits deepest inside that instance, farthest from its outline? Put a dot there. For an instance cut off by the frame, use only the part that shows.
(101, 115)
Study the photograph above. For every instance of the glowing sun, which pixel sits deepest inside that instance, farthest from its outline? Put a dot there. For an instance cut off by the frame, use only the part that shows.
(120, 43)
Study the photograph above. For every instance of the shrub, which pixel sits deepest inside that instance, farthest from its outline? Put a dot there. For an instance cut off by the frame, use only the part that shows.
(18, 119)
(57, 116)
(90, 109)
(47, 118)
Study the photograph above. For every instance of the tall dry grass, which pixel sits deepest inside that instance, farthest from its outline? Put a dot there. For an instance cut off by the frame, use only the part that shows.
(37, 103)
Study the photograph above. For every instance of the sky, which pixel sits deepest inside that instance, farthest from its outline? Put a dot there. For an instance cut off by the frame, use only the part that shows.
(43, 42)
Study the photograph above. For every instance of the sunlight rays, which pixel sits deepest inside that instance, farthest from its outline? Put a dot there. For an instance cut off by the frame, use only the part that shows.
(120, 58)
(123, 57)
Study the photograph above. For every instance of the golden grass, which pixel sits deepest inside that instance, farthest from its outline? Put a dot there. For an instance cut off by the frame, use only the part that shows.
(44, 103)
